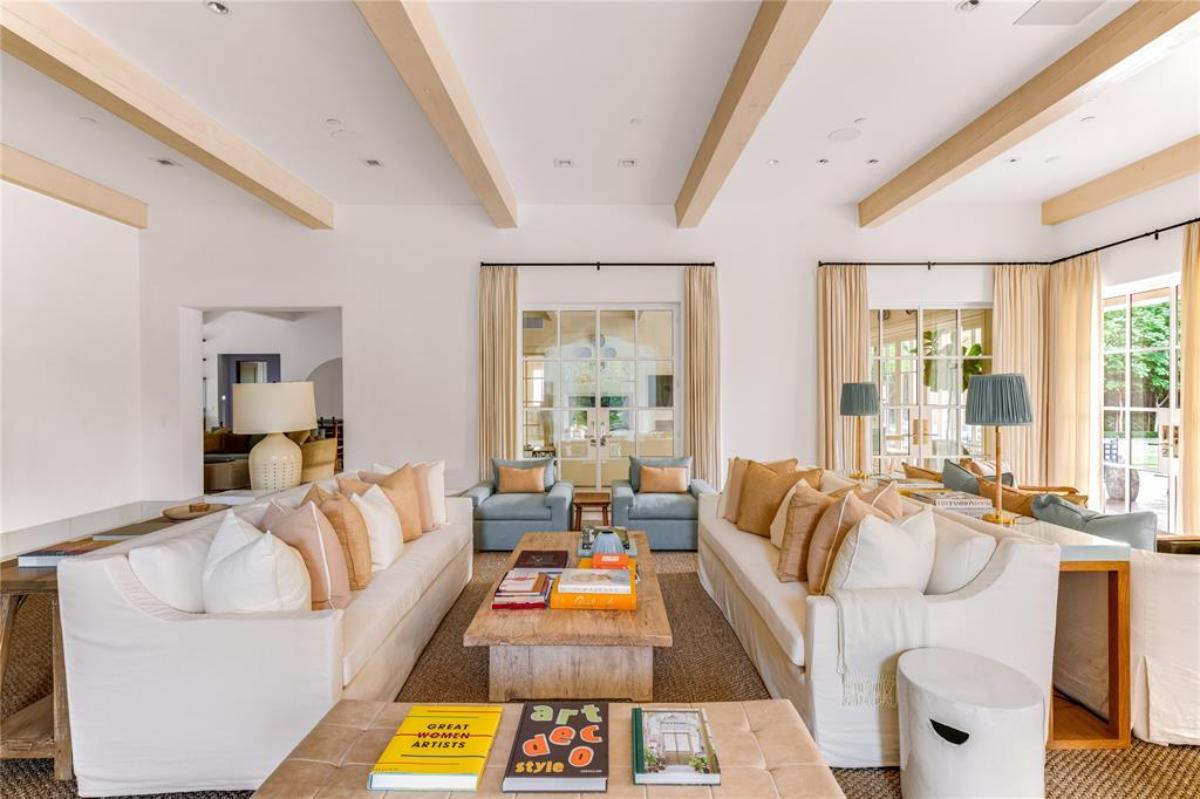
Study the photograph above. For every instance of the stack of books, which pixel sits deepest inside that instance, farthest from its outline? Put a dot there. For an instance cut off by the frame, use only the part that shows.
(523, 589)
(960, 501)
(588, 588)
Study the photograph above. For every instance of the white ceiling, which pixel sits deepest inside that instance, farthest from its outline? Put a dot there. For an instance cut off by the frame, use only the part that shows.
(563, 79)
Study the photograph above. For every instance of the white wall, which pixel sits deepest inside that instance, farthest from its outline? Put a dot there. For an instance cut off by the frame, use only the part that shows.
(69, 369)
(303, 340)
(406, 280)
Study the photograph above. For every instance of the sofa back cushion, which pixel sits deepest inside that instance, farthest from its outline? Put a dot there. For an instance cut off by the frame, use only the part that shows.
(636, 464)
(886, 554)
(548, 476)
(959, 557)
(308, 531)
(247, 571)
(1139, 530)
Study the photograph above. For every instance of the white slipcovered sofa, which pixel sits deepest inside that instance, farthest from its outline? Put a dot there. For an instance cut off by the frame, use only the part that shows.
(162, 700)
(1007, 613)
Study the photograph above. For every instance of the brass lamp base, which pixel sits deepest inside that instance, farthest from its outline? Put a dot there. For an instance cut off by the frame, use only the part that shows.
(858, 474)
(998, 518)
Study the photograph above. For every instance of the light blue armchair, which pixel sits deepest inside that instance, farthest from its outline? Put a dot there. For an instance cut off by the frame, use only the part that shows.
(501, 519)
(668, 519)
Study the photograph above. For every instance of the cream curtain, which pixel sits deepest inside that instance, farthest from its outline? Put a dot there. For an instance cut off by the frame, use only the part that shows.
(1189, 427)
(842, 341)
(1020, 326)
(1073, 404)
(497, 365)
(702, 349)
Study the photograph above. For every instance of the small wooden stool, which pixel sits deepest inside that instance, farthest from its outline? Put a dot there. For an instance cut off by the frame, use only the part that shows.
(590, 499)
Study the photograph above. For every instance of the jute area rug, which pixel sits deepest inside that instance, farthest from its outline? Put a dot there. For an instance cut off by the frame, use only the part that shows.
(707, 664)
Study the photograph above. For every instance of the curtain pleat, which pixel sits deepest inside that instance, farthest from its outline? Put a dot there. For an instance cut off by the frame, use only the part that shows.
(842, 341)
(702, 348)
(497, 365)
(1073, 405)
(1020, 326)
(1189, 381)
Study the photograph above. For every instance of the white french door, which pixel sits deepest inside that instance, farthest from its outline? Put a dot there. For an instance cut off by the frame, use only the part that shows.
(598, 385)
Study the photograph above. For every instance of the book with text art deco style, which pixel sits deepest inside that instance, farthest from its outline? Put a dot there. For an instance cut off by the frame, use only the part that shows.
(672, 746)
(560, 746)
(438, 748)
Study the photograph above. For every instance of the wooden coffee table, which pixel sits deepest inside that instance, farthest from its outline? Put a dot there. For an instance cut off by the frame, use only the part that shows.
(573, 654)
(763, 747)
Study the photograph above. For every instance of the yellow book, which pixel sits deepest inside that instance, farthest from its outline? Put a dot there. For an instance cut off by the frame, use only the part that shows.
(438, 748)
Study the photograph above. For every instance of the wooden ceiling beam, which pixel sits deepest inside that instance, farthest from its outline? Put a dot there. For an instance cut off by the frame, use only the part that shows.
(22, 169)
(780, 32)
(409, 35)
(54, 44)
(1163, 167)
(1139, 37)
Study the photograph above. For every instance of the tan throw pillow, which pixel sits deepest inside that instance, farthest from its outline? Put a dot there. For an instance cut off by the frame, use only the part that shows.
(308, 531)
(732, 495)
(522, 481)
(803, 512)
(1012, 500)
(836, 522)
(315, 494)
(812, 478)
(664, 480)
(401, 490)
(424, 500)
(352, 485)
(762, 492)
(917, 473)
(351, 529)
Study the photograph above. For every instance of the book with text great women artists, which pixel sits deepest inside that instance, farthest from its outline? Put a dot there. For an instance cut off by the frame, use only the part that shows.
(560, 746)
(438, 748)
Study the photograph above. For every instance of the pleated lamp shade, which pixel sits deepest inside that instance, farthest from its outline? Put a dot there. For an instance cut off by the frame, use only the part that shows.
(998, 400)
(860, 399)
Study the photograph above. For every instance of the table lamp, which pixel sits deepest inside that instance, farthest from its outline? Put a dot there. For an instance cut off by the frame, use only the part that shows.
(274, 408)
(1002, 401)
(859, 399)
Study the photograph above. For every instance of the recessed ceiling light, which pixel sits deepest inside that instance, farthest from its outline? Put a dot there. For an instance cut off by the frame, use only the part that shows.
(1052, 159)
(1013, 160)
(822, 160)
(88, 120)
(635, 121)
(772, 162)
(334, 121)
(967, 5)
(626, 163)
(218, 8)
(372, 162)
(872, 160)
(860, 120)
(845, 134)
(1088, 118)
(564, 163)
(164, 161)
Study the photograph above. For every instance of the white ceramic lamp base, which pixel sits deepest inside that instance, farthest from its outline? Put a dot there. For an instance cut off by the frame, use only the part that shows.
(275, 464)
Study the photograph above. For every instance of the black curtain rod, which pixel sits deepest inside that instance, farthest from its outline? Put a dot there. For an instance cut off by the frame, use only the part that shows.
(597, 264)
(931, 264)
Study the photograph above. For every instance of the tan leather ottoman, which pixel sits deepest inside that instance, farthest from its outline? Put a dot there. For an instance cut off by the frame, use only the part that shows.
(764, 749)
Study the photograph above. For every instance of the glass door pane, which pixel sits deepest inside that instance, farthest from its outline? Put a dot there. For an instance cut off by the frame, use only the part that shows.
(578, 447)
(578, 334)
(617, 337)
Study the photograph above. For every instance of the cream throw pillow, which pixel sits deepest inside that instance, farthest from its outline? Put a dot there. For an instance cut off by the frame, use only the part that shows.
(173, 570)
(251, 572)
(664, 480)
(882, 554)
(731, 494)
(383, 527)
(804, 511)
(837, 520)
(308, 530)
(959, 557)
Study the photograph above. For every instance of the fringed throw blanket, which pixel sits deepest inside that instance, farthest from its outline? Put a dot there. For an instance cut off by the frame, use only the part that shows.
(875, 626)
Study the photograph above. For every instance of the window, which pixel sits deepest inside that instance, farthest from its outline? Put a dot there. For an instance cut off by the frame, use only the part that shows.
(598, 385)
(921, 359)
(1140, 433)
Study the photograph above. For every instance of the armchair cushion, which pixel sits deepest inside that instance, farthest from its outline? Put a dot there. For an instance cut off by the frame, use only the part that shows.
(1139, 530)
(524, 463)
(664, 506)
(532, 507)
(636, 464)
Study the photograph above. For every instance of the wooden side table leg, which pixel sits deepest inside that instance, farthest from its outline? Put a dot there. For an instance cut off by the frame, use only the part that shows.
(8, 619)
(63, 767)
(604, 509)
(1118, 653)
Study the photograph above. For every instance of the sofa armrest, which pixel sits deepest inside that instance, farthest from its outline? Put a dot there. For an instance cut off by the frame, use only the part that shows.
(478, 493)
(709, 503)
(623, 498)
(699, 487)
(558, 498)
(459, 510)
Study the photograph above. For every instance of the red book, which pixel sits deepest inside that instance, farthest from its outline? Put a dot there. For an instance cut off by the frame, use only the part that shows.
(609, 560)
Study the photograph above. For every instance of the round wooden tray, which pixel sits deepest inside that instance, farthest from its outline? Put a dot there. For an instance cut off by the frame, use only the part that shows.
(181, 513)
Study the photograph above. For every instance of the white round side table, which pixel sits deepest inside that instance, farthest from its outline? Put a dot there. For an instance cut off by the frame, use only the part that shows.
(969, 727)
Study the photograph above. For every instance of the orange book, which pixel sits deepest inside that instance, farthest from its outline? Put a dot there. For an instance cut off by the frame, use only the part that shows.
(609, 560)
(560, 600)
